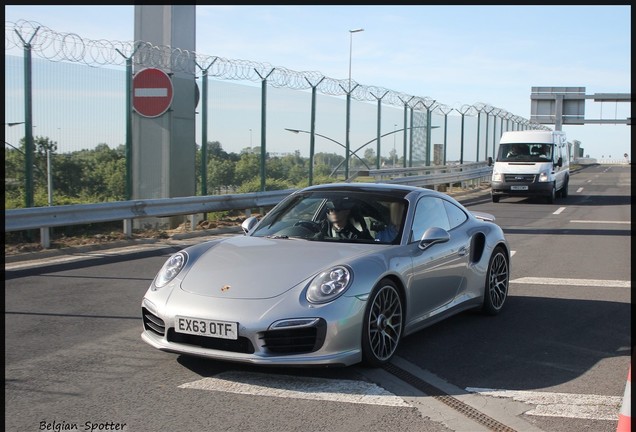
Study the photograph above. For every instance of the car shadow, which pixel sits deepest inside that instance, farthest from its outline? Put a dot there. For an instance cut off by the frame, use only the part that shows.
(534, 343)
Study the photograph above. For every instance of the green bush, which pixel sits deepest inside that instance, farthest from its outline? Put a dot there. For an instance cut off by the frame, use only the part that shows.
(254, 185)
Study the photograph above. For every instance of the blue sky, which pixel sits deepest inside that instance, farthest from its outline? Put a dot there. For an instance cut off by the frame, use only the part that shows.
(453, 54)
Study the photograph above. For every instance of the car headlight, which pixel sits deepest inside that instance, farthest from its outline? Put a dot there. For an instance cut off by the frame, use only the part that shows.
(543, 176)
(170, 269)
(329, 285)
(496, 176)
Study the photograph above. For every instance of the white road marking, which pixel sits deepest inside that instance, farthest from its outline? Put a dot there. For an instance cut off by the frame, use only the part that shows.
(602, 221)
(559, 210)
(286, 386)
(575, 282)
(512, 253)
(579, 190)
(77, 256)
(567, 405)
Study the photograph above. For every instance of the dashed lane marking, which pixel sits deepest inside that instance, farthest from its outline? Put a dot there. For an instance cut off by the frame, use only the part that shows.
(573, 282)
(566, 405)
(602, 222)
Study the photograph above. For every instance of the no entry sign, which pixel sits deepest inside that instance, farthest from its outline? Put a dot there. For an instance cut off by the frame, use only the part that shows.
(152, 92)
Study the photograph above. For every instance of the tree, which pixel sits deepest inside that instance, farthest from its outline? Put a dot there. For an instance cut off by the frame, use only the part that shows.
(369, 156)
(221, 173)
(247, 168)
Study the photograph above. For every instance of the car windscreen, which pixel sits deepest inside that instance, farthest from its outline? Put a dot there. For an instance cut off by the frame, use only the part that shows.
(367, 216)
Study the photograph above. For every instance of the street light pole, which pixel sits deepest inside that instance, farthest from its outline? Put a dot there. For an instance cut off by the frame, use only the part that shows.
(394, 151)
(351, 32)
(346, 170)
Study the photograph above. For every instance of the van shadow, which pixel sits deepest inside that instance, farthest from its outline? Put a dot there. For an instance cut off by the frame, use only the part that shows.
(578, 200)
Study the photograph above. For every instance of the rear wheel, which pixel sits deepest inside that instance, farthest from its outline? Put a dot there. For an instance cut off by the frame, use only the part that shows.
(382, 326)
(495, 198)
(497, 281)
(564, 191)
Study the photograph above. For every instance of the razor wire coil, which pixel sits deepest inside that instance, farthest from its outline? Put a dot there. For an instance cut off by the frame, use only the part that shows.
(70, 47)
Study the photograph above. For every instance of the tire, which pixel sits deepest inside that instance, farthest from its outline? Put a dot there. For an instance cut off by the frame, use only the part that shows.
(495, 198)
(497, 282)
(550, 198)
(383, 324)
(564, 190)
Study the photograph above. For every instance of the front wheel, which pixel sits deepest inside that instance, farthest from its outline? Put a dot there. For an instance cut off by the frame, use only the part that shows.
(382, 326)
(495, 198)
(497, 281)
(550, 198)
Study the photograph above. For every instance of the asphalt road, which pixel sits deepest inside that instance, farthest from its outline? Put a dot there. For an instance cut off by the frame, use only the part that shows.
(555, 360)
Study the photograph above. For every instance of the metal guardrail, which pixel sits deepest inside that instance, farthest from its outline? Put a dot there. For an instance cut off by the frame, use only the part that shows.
(78, 214)
(43, 218)
(435, 175)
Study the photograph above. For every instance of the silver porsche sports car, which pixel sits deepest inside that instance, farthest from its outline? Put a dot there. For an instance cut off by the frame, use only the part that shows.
(334, 274)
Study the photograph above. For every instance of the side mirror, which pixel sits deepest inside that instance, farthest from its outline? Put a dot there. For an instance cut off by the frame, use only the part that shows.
(489, 160)
(433, 235)
(249, 223)
(559, 162)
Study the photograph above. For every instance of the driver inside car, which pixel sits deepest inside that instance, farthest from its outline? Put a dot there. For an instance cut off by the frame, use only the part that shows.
(341, 224)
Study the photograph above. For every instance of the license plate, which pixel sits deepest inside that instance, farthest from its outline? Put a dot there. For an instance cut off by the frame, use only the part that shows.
(209, 328)
(518, 187)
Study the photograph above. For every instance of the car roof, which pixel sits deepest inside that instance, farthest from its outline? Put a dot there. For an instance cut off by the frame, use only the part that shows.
(369, 187)
(402, 190)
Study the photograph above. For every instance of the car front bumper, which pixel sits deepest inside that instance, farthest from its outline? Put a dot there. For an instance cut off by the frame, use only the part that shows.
(335, 340)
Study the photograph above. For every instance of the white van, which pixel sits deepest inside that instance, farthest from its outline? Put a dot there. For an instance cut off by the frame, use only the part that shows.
(531, 163)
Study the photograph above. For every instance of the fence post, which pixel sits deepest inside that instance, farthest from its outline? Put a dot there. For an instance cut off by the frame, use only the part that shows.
(45, 237)
(128, 228)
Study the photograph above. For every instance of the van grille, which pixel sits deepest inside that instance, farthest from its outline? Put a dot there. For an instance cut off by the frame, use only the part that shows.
(519, 178)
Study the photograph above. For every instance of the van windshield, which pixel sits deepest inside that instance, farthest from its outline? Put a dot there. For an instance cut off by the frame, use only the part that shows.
(525, 152)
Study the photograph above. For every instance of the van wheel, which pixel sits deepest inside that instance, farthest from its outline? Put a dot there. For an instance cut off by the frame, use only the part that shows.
(564, 191)
(495, 199)
(550, 198)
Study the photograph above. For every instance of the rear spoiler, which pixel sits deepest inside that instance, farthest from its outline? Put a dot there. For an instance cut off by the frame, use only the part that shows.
(483, 216)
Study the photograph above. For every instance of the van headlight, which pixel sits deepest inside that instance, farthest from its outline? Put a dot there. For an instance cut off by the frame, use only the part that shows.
(496, 176)
(544, 176)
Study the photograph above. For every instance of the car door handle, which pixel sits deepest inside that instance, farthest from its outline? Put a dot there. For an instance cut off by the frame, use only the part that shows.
(462, 251)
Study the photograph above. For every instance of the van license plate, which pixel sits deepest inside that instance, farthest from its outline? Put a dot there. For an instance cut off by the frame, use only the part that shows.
(518, 187)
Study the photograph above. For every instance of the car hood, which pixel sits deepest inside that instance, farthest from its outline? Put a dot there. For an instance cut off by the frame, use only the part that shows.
(247, 267)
